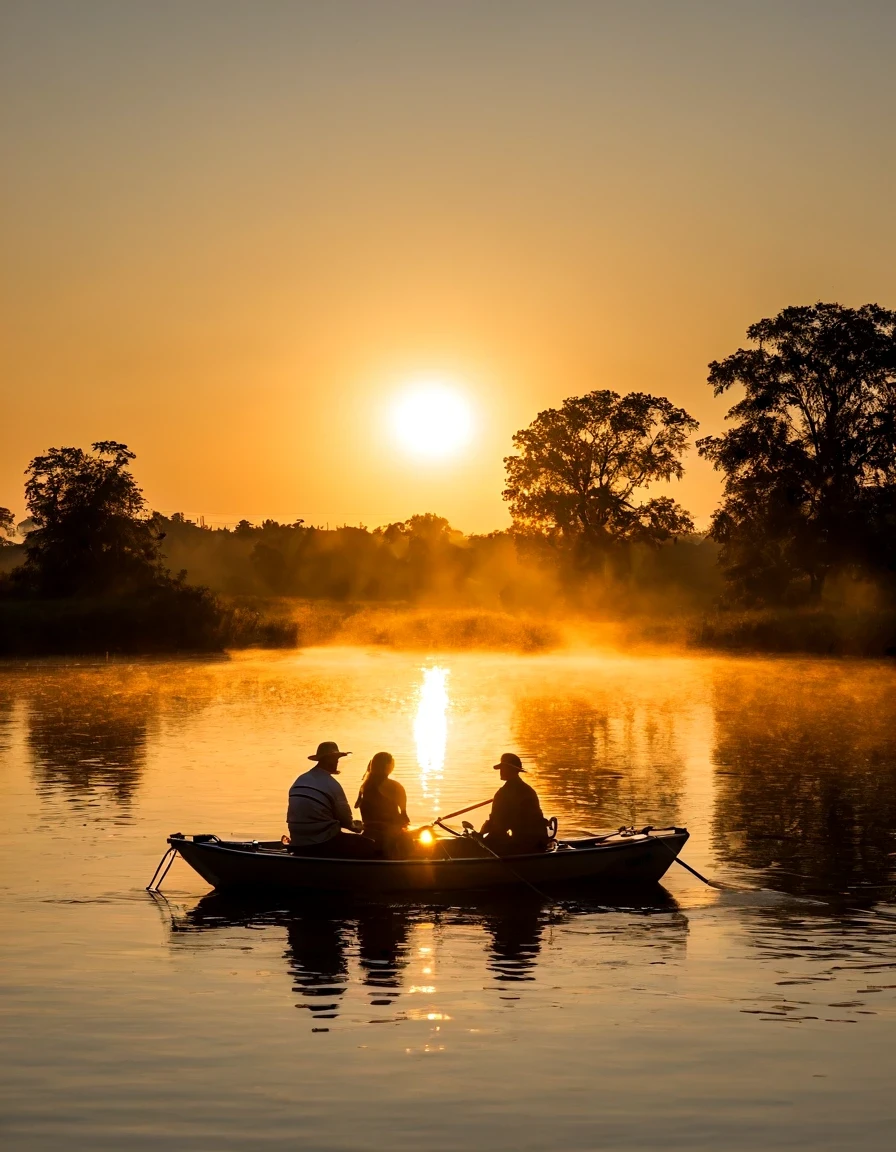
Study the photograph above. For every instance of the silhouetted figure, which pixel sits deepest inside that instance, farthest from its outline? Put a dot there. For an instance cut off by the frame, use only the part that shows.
(383, 805)
(516, 824)
(319, 817)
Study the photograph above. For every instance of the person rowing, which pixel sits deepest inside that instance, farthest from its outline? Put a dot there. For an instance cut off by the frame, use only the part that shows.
(516, 824)
(319, 817)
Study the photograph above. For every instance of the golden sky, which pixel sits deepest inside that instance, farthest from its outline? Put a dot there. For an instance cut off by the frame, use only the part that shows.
(231, 231)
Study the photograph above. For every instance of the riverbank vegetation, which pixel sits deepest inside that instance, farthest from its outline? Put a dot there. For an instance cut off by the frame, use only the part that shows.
(800, 555)
(92, 577)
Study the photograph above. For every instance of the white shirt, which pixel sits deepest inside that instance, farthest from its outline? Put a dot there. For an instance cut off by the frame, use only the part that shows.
(318, 807)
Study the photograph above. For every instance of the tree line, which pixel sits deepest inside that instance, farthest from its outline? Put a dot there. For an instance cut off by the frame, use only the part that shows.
(809, 463)
(809, 467)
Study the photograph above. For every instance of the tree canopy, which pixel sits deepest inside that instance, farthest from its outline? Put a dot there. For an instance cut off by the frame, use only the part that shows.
(581, 469)
(90, 534)
(7, 526)
(810, 467)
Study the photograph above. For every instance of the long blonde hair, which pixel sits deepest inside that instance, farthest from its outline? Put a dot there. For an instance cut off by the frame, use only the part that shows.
(378, 770)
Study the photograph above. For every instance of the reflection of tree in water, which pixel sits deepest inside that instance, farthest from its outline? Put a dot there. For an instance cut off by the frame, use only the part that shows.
(317, 962)
(88, 727)
(383, 949)
(611, 765)
(88, 736)
(7, 704)
(806, 775)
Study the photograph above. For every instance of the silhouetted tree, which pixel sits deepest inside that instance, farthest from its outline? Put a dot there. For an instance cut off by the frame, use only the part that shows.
(90, 534)
(7, 526)
(581, 467)
(428, 527)
(810, 468)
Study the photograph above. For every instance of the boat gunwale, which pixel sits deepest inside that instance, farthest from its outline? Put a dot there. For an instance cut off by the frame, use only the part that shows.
(672, 833)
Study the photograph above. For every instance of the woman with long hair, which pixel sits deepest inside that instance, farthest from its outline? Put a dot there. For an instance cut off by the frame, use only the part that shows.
(383, 803)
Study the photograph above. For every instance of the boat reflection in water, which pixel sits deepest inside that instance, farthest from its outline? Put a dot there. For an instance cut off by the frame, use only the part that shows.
(385, 950)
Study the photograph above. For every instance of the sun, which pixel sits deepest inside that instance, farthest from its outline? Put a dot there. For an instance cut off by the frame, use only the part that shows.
(432, 420)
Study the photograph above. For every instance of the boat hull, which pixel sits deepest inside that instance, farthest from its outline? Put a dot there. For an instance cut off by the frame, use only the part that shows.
(637, 859)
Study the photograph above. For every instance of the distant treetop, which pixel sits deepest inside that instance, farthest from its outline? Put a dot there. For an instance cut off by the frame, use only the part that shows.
(90, 534)
(7, 526)
(581, 469)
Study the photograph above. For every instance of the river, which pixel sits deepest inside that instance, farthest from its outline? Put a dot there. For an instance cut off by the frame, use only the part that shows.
(697, 1018)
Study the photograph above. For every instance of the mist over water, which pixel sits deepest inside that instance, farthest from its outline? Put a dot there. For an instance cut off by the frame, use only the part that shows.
(745, 1019)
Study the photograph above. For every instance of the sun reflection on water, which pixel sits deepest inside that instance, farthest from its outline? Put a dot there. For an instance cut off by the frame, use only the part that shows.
(431, 730)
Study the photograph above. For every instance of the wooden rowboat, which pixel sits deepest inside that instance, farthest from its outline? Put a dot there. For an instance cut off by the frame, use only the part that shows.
(627, 856)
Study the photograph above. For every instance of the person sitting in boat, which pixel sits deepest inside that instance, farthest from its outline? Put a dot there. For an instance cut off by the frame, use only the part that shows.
(383, 804)
(319, 817)
(516, 824)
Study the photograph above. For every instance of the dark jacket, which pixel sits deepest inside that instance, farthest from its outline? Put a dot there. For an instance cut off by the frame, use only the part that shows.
(516, 818)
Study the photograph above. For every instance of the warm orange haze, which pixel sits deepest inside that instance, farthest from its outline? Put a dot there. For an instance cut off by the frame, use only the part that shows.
(447, 575)
(231, 237)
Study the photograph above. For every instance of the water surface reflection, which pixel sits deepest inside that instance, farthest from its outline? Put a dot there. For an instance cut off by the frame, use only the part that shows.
(620, 761)
(316, 958)
(504, 1022)
(89, 747)
(431, 731)
(806, 779)
(388, 949)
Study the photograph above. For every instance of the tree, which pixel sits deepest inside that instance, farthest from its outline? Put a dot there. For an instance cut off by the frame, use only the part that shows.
(90, 534)
(581, 469)
(7, 526)
(810, 468)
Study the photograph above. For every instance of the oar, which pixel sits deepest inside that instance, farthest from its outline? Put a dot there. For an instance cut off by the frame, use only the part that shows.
(538, 892)
(720, 885)
(710, 883)
(460, 811)
(439, 821)
(481, 842)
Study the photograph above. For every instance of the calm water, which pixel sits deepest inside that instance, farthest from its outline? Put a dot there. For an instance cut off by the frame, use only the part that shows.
(699, 1019)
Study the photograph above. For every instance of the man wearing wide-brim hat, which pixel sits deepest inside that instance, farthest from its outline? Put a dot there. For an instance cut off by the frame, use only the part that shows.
(319, 817)
(516, 824)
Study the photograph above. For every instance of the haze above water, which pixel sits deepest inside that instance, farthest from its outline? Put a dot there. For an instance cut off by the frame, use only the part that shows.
(698, 1018)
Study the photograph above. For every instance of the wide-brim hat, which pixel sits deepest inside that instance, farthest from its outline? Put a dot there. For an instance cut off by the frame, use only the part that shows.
(326, 750)
(510, 760)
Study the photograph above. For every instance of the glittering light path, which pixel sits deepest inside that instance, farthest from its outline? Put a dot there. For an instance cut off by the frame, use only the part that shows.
(431, 730)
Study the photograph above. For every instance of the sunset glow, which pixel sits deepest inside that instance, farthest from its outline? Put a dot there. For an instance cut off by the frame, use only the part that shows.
(448, 471)
(432, 420)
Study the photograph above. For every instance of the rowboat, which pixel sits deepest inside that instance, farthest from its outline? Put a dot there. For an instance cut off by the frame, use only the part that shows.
(627, 856)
